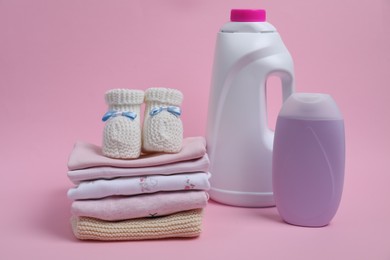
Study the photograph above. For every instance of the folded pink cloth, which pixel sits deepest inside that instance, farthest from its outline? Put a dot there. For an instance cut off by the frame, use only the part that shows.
(196, 165)
(148, 205)
(86, 155)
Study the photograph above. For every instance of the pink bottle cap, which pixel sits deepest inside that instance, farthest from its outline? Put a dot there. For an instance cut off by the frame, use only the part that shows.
(247, 15)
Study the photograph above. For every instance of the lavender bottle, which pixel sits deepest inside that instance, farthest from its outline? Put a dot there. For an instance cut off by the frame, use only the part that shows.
(308, 159)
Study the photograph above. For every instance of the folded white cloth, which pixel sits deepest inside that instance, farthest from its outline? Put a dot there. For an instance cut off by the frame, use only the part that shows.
(137, 185)
(145, 205)
(197, 165)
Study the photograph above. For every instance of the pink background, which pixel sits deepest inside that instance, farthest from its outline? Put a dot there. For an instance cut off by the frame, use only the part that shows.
(57, 58)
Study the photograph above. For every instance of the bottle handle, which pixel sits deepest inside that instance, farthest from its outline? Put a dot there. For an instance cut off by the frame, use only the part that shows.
(287, 84)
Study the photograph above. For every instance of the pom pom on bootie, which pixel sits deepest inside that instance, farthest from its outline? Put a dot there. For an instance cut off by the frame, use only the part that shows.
(163, 128)
(122, 132)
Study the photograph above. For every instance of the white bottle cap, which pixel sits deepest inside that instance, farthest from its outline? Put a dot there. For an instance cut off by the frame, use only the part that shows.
(311, 106)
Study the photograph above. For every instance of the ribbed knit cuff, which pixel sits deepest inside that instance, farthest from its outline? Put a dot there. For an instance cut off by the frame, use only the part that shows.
(124, 97)
(164, 95)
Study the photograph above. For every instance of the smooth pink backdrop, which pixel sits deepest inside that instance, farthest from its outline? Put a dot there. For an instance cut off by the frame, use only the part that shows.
(57, 58)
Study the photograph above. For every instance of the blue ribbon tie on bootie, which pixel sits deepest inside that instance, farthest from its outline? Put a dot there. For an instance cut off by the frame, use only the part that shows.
(176, 111)
(127, 114)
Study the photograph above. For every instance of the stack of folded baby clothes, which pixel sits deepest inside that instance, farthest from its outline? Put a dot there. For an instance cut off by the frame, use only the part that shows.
(157, 195)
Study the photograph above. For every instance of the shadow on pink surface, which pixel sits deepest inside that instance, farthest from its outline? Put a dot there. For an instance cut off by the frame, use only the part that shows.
(267, 214)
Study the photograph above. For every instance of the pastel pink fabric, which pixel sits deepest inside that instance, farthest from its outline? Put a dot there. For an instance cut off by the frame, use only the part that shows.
(148, 205)
(85, 155)
(197, 165)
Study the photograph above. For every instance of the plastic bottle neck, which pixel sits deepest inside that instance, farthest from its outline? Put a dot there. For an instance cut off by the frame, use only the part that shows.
(248, 27)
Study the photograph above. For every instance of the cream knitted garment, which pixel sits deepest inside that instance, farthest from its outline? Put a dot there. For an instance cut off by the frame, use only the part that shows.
(182, 224)
(122, 135)
(163, 131)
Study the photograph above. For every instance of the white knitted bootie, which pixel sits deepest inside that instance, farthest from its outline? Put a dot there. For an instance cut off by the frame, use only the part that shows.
(163, 128)
(122, 132)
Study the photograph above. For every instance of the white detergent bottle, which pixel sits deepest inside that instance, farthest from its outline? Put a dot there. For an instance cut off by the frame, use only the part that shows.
(239, 142)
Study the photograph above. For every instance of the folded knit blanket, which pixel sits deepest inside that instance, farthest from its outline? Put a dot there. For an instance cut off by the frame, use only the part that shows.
(196, 165)
(86, 155)
(147, 205)
(182, 224)
(138, 185)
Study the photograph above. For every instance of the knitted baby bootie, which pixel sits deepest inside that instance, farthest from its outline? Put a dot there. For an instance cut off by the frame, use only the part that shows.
(122, 132)
(163, 128)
